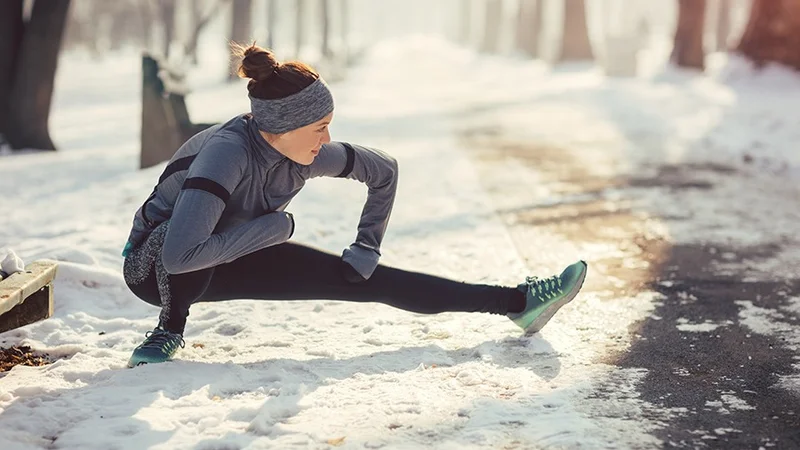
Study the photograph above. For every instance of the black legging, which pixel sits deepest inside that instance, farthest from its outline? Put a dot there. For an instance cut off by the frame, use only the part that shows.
(292, 271)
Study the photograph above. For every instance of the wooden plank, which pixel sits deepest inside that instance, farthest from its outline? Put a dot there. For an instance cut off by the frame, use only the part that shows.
(19, 286)
(36, 307)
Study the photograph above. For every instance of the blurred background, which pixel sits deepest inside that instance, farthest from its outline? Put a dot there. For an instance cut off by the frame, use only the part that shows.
(188, 40)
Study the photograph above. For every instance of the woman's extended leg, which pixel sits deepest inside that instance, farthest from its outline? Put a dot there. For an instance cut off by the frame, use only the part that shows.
(292, 271)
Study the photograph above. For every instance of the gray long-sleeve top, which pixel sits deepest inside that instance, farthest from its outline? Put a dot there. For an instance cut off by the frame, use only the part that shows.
(225, 190)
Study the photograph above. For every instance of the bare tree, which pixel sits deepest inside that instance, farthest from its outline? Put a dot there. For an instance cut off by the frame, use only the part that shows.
(465, 22)
(344, 15)
(326, 28)
(102, 25)
(28, 61)
(272, 22)
(773, 33)
(723, 29)
(147, 18)
(240, 29)
(166, 10)
(688, 47)
(200, 20)
(299, 29)
(11, 32)
(491, 31)
(529, 26)
(575, 44)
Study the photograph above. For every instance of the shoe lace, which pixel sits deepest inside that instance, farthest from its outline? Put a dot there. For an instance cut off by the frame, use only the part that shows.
(162, 338)
(545, 288)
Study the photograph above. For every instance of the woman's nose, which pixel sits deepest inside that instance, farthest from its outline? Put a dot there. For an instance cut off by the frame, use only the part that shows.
(326, 138)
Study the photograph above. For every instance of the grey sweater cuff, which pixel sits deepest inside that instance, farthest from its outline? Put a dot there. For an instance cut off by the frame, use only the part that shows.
(363, 260)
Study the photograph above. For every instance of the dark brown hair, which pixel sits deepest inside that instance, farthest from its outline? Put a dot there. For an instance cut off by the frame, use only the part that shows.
(269, 78)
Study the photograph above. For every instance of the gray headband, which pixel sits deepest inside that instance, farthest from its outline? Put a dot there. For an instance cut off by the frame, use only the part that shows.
(297, 110)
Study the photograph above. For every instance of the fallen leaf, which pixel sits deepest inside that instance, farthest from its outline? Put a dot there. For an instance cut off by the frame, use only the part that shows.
(336, 441)
(198, 345)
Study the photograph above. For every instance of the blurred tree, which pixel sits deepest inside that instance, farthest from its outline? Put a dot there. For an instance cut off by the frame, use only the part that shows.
(240, 29)
(465, 22)
(166, 10)
(325, 14)
(96, 26)
(344, 15)
(773, 33)
(272, 22)
(491, 30)
(299, 28)
(529, 26)
(200, 19)
(147, 17)
(687, 50)
(11, 31)
(153, 25)
(575, 44)
(28, 60)
(723, 29)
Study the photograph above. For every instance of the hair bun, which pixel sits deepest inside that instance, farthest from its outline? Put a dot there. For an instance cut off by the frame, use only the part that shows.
(257, 63)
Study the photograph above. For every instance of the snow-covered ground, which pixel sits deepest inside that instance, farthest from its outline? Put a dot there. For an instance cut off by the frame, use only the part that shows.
(316, 374)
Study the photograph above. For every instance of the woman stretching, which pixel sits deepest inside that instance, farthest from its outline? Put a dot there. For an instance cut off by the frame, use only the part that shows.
(215, 227)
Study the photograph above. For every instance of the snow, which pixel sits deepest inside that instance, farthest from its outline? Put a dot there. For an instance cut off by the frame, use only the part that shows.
(314, 374)
(704, 327)
(728, 401)
(768, 322)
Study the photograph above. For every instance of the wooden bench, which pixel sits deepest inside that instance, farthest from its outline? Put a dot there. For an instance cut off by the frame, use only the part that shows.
(165, 119)
(27, 297)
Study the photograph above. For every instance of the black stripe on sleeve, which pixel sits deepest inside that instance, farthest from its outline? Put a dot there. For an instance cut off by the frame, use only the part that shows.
(176, 166)
(210, 186)
(351, 160)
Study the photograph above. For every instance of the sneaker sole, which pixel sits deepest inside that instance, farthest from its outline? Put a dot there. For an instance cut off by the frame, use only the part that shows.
(539, 322)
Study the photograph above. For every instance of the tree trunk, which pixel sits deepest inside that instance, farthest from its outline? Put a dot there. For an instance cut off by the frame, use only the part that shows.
(31, 93)
(723, 30)
(491, 32)
(167, 13)
(199, 22)
(146, 19)
(272, 22)
(299, 28)
(325, 12)
(196, 26)
(465, 22)
(529, 26)
(11, 28)
(344, 7)
(240, 29)
(773, 33)
(575, 44)
(687, 50)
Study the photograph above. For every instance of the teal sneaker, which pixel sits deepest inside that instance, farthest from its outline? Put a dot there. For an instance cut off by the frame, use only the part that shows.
(159, 345)
(544, 297)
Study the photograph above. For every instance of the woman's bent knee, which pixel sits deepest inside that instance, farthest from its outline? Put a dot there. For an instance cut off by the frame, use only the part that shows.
(146, 297)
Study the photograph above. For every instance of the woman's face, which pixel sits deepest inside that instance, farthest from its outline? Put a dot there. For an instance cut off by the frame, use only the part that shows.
(302, 145)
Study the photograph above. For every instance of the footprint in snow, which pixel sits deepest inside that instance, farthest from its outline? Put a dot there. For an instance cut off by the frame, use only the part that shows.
(229, 329)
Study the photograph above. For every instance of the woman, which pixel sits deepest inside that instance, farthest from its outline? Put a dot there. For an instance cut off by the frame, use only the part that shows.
(215, 227)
